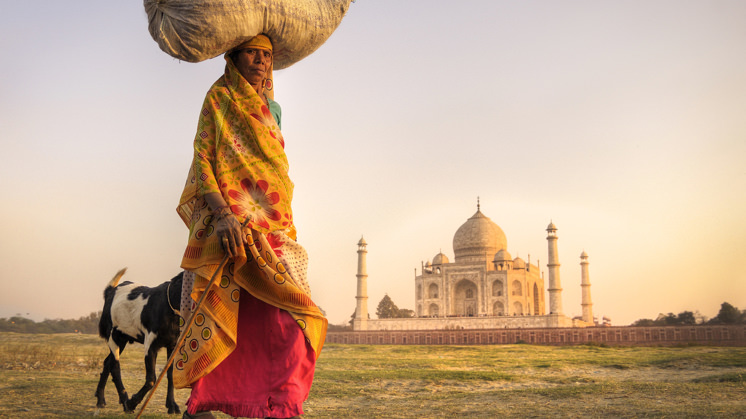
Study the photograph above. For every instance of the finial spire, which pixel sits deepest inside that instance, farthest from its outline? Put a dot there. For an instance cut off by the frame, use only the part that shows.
(477, 203)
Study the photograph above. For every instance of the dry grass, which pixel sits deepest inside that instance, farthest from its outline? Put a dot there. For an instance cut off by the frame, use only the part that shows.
(361, 381)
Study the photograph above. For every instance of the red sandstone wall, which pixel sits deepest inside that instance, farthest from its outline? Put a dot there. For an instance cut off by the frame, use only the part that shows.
(626, 335)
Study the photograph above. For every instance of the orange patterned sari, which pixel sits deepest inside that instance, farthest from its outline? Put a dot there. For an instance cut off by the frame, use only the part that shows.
(239, 152)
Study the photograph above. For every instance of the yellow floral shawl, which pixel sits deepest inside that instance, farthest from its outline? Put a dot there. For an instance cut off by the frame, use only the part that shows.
(239, 152)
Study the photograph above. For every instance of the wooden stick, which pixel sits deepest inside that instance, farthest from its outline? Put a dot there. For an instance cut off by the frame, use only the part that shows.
(182, 336)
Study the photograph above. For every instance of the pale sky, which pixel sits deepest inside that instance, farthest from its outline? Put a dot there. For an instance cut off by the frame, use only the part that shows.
(620, 121)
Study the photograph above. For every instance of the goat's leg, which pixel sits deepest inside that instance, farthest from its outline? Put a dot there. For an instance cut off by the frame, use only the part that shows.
(100, 398)
(111, 367)
(116, 378)
(171, 405)
(131, 404)
(116, 372)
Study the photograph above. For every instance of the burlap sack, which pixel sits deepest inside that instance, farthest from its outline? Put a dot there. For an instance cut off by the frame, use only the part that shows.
(196, 30)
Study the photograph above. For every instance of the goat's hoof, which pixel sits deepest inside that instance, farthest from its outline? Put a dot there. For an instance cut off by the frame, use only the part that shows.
(101, 404)
(123, 398)
(174, 410)
(128, 407)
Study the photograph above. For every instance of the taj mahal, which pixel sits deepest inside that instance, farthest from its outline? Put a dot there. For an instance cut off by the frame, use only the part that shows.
(483, 288)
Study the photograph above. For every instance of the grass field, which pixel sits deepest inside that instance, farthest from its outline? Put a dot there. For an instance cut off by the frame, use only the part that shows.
(55, 376)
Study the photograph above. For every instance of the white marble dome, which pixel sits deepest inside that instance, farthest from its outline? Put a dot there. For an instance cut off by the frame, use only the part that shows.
(502, 256)
(519, 263)
(478, 239)
(440, 259)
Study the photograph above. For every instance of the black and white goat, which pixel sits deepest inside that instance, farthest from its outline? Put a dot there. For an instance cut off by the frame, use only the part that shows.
(136, 313)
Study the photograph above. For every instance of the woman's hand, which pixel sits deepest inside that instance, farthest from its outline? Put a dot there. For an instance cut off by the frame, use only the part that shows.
(226, 224)
(229, 231)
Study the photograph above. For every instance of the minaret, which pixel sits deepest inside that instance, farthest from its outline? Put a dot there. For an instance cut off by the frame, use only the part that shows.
(585, 286)
(361, 311)
(555, 288)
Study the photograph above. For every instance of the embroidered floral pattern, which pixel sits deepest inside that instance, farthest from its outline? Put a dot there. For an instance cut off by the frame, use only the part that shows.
(239, 138)
(237, 145)
(289, 218)
(254, 201)
(276, 241)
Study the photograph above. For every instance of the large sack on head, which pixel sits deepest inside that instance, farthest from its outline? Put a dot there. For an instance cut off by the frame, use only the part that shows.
(196, 30)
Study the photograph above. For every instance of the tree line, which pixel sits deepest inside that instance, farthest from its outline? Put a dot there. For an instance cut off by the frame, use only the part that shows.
(387, 309)
(728, 314)
(86, 324)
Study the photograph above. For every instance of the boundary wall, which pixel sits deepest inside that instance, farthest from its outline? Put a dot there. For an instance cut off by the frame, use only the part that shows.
(721, 335)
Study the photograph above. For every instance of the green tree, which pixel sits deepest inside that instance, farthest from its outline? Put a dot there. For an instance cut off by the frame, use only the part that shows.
(644, 323)
(665, 319)
(405, 313)
(728, 314)
(686, 318)
(670, 319)
(387, 309)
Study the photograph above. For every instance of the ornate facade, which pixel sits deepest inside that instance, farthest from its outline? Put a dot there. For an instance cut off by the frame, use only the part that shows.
(484, 287)
(484, 280)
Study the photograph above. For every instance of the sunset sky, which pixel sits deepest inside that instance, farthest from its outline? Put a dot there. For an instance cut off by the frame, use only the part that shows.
(623, 122)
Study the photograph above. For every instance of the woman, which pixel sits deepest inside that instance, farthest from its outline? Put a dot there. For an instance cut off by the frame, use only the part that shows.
(252, 349)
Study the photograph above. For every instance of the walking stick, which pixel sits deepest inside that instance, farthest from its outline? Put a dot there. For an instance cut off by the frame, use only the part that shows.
(187, 325)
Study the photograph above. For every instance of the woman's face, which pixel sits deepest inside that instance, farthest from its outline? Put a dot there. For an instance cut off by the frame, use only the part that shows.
(253, 64)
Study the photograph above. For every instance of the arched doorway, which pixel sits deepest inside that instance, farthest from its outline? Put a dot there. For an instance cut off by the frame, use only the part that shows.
(465, 298)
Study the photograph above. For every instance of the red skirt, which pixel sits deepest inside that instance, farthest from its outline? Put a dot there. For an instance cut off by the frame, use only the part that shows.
(270, 372)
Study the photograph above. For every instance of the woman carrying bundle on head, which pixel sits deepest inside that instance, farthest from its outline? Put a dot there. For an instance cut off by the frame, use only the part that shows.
(252, 348)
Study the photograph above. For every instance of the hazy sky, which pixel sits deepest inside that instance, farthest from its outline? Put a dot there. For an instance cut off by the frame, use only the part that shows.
(623, 122)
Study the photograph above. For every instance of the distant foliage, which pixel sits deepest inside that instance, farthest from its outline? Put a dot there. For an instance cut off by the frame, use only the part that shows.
(728, 315)
(406, 313)
(388, 310)
(86, 324)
